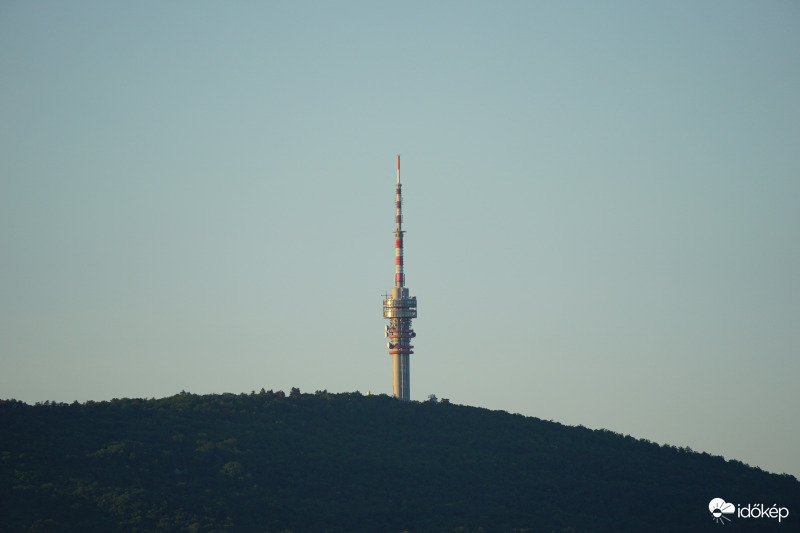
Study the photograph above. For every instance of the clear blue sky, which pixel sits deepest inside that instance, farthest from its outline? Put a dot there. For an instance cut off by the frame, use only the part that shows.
(601, 205)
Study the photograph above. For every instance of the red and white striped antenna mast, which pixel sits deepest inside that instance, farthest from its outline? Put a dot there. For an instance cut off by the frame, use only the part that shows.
(399, 277)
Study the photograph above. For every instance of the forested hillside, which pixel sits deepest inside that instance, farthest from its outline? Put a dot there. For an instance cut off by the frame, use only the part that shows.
(266, 462)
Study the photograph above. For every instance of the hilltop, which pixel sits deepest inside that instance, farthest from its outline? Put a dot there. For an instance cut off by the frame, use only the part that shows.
(322, 462)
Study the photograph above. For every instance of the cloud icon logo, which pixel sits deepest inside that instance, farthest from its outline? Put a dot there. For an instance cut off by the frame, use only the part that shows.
(719, 508)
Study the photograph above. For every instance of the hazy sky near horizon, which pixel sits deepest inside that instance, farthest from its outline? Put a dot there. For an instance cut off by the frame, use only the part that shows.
(601, 206)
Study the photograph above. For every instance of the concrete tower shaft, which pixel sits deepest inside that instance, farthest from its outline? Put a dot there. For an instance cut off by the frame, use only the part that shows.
(399, 308)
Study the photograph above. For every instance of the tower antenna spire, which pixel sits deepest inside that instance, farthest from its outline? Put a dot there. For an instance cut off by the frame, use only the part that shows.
(399, 309)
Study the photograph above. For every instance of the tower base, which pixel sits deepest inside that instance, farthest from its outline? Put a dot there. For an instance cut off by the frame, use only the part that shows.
(401, 377)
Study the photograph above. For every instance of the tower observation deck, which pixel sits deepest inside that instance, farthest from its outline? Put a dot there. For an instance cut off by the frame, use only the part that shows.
(399, 308)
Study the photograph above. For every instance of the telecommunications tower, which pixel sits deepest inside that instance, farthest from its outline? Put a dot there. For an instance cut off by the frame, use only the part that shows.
(399, 308)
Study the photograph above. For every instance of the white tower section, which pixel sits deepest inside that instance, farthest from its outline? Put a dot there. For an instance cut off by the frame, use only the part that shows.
(399, 309)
